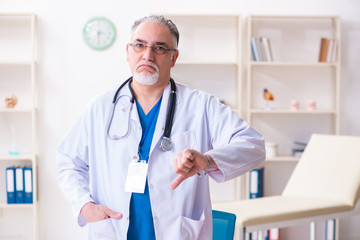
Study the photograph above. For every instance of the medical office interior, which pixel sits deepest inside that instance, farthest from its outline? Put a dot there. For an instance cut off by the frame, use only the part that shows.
(50, 74)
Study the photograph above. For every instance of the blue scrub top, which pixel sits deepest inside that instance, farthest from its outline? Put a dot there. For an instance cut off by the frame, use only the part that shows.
(141, 220)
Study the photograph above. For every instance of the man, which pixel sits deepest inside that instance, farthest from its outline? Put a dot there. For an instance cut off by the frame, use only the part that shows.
(114, 168)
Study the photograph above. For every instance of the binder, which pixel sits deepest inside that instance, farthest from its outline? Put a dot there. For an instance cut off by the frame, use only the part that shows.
(256, 190)
(10, 185)
(330, 229)
(274, 234)
(253, 235)
(19, 185)
(256, 183)
(28, 185)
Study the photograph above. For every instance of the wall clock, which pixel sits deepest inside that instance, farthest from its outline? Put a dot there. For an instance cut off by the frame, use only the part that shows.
(99, 33)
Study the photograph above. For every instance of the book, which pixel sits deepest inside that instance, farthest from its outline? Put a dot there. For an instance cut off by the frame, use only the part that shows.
(261, 46)
(267, 53)
(255, 49)
(328, 50)
(332, 50)
(324, 45)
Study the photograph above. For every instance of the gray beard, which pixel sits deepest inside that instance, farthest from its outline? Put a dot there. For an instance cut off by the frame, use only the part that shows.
(146, 78)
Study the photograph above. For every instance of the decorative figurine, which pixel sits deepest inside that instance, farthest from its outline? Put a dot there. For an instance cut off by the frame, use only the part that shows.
(11, 101)
(311, 105)
(294, 105)
(268, 97)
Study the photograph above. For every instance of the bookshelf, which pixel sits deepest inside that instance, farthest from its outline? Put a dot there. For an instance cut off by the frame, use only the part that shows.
(18, 125)
(209, 60)
(294, 74)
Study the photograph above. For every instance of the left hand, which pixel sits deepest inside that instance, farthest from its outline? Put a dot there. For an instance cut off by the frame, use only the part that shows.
(187, 163)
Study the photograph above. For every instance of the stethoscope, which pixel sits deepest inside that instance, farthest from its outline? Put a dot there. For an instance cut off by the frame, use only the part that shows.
(165, 144)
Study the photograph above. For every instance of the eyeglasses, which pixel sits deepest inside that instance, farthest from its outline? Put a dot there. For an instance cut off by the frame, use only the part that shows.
(157, 49)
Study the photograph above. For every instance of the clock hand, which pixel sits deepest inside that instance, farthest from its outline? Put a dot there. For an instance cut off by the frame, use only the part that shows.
(98, 36)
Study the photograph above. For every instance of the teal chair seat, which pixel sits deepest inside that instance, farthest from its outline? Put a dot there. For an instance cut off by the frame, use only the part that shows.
(223, 225)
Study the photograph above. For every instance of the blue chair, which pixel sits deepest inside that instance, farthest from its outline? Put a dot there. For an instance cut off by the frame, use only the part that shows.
(223, 225)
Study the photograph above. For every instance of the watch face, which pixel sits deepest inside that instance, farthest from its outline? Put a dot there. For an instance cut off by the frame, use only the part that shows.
(99, 33)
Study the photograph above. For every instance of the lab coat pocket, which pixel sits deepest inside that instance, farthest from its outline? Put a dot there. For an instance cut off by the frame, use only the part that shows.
(191, 228)
(102, 230)
(183, 141)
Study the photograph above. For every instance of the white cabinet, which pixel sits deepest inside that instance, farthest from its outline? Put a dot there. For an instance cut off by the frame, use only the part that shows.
(294, 76)
(209, 60)
(18, 125)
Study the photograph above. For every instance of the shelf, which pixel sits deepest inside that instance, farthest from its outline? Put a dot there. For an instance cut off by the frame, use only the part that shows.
(204, 15)
(7, 157)
(17, 62)
(19, 125)
(16, 205)
(180, 62)
(301, 17)
(282, 159)
(287, 111)
(292, 64)
(17, 14)
(295, 76)
(17, 110)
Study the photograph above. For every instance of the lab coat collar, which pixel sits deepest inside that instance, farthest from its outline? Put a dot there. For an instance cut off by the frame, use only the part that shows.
(125, 91)
(164, 108)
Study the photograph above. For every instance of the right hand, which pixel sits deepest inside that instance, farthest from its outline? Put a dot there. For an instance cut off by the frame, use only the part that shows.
(93, 212)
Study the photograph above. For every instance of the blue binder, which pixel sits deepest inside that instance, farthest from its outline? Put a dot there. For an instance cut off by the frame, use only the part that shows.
(19, 186)
(28, 185)
(10, 185)
(256, 190)
(330, 229)
(256, 183)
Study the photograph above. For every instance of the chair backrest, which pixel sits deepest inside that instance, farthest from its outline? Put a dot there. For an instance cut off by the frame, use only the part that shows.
(223, 225)
(329, 168)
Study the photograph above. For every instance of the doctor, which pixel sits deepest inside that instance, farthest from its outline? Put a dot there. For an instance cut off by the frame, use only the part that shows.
(136, 165)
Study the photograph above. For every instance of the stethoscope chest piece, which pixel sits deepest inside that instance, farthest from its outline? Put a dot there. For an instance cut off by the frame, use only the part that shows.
(166, 144)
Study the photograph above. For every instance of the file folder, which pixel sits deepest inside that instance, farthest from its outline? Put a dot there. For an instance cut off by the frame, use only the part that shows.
(253, 235)
(19, 185)
(330, 229)
(274, 234)
(256, 190)
(28, 185)
(10, 185)
(256, 183)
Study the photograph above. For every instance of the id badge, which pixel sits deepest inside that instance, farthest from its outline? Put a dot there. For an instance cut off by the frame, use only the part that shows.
(136, 177)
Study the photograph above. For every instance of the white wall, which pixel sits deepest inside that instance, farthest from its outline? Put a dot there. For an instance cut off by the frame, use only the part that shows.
(71, 74)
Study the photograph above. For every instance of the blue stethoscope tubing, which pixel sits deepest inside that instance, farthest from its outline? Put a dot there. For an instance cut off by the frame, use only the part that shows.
(165, 143)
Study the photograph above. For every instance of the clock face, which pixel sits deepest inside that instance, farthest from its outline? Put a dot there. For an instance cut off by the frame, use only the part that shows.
(99, 33)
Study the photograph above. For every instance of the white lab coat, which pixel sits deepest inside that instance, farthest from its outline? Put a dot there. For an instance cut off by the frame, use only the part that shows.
(92, 167)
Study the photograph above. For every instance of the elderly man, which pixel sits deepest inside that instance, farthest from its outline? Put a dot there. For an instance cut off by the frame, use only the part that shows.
(136, 165)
